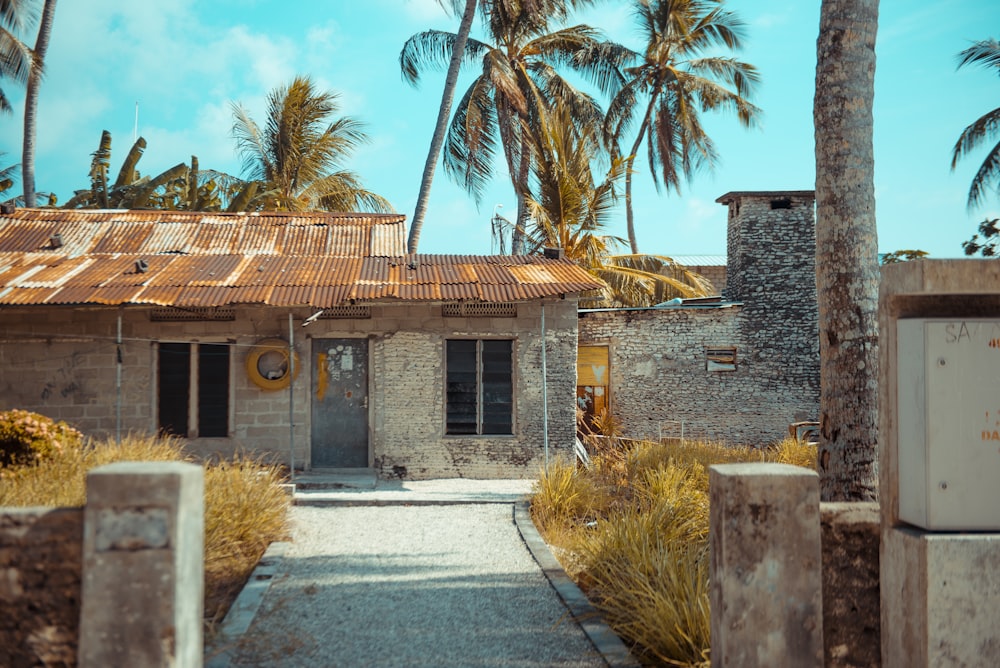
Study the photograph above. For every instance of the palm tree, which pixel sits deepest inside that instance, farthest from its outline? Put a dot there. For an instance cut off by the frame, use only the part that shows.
(568, 209)
(15, 56)
(847, 271)
(297, 157)
(518, 78)
(31, 101)
(676, 80)
(441, 126)
(985, 128)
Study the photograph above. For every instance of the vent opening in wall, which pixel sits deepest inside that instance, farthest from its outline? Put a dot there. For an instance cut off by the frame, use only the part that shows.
(782, 203)
(175, 314)
(479, 310)
(352, 312)
(722, 358)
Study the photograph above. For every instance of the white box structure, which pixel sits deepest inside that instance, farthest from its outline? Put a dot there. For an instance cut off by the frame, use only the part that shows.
(948, 409)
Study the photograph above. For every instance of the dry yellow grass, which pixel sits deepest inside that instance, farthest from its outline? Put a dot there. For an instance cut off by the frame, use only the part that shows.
(245, 509)
(633, 532)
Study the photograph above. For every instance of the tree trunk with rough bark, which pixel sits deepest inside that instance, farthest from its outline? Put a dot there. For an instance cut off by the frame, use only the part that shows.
(437, 140)
(847, 272)
(31, 102)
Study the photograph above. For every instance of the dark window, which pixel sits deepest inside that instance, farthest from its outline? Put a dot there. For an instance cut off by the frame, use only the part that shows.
(480, 387)
(211, 389)
(174, 387)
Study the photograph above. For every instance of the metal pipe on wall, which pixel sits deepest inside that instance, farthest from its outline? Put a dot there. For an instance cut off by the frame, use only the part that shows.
(545, 395)
(291, 398)
(118, 383)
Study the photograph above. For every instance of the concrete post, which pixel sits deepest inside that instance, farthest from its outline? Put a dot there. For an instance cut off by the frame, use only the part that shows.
(766, 575)
(143, 566)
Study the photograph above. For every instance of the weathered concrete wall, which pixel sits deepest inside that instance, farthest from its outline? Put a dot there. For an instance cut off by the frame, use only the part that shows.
(40, 574)
(61, 362)
(851, 607)
(658, 369)
(409, 399)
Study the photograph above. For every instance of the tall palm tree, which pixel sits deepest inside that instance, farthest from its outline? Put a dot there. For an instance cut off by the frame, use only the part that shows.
(518, 78)
(31, 101)
(297, 157)
(985, 128)
(673, 81)
(568, 208)
(847, 250)
(16, 16)
(441, 126)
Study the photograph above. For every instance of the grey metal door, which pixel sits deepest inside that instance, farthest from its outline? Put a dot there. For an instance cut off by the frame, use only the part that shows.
(340, 403)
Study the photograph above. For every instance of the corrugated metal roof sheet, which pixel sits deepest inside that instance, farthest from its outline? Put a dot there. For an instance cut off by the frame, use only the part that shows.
(193, 260)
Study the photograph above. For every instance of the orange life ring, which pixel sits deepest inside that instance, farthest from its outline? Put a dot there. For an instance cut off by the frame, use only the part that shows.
(276, 377)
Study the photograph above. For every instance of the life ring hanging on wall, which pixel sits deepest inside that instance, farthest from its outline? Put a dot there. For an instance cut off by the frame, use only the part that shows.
(267, 364)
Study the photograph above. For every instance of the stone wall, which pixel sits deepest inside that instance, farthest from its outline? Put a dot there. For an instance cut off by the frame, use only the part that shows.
(659, 374)
(61, 362)
(40, 574)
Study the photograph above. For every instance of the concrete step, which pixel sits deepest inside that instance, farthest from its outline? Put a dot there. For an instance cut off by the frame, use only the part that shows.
(320, 479)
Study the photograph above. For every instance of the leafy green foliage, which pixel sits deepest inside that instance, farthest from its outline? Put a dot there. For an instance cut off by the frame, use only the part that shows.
(180, 187)
(632, 531)
(27, 438)
(987, 245)
(901, 256)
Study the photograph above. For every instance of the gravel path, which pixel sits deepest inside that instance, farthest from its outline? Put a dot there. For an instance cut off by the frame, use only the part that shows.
(412, 586)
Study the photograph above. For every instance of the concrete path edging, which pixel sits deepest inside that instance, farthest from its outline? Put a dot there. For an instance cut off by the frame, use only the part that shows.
(611, 647)
(245, 607)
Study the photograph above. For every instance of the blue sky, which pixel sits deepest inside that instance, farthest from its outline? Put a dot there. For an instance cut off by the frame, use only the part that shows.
(184, 62)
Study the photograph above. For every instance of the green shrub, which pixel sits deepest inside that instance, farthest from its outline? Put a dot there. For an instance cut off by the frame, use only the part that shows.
(26, 437)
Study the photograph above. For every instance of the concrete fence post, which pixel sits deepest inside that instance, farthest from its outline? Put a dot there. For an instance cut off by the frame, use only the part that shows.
(766, 566)
(143, 566)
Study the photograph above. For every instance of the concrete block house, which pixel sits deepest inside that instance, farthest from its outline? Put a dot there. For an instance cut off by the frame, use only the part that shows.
(416, 366)
(738, 368)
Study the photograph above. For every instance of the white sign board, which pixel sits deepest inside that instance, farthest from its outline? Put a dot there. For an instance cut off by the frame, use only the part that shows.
(948, 406)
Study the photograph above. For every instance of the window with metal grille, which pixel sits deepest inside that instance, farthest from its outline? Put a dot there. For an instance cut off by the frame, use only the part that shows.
(198, 370)
(479, 310)
(480, 386)
(194, 314)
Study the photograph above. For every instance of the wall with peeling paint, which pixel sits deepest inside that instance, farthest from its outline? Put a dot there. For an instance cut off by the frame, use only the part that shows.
(62, 362)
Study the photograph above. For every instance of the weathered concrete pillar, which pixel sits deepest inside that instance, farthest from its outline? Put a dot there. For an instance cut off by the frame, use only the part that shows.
(941, 599)
(143, 566)
(766, 578)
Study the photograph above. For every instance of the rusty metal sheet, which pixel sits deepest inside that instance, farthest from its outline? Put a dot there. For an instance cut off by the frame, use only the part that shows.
(124, 238)
(330, 296)
(349, 241)
(24, 295)
(292, 295)
(388, 240)
(55, 275)
(532, 274)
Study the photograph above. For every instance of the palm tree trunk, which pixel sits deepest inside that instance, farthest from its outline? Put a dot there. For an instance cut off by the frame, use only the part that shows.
(437, 140)
(629, 219)
(521, 188)
(31, 102)
(846, 250)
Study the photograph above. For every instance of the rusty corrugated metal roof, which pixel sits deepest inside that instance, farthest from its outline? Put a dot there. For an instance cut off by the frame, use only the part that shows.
(169, 258)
